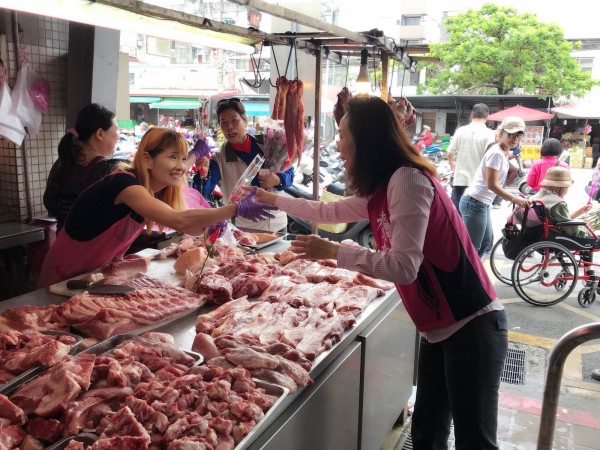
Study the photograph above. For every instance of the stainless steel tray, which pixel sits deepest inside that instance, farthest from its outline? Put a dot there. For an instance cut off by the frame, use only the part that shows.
(86, 438)
(111, 343)
(280, 237)
(270, 415)
(11, 385)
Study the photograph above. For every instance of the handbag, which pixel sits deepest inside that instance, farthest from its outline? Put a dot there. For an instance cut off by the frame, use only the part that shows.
(515, 238)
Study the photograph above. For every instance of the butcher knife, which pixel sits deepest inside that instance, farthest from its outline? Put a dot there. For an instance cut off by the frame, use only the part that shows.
(99, 289)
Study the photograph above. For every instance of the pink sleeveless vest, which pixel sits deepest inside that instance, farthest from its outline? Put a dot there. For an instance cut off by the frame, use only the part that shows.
(452, 283)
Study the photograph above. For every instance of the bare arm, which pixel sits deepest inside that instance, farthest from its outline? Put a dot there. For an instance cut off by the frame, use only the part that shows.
(492, 178)
(192, 221)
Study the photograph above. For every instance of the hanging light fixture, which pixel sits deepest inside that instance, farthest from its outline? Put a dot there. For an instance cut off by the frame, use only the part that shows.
(363, 82)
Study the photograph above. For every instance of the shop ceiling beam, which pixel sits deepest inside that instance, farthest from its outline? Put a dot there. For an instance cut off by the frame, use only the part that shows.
(252, 36)
(358, 39)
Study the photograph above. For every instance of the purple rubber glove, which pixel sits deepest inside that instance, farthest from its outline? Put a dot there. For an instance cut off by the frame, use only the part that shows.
(200, 149)
(221, 226)
(250, 209)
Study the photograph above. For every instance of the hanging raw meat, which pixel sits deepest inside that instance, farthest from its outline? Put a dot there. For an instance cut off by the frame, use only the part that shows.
(339, 109)
(290, 121)
(299, 131)
(283, 85)
(405, 111)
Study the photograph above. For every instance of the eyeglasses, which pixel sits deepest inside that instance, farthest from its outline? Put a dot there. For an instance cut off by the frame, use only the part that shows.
(228, 100)
(517, 135)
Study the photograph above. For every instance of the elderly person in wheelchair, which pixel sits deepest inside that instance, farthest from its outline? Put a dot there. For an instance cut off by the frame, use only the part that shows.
(555, 185)
(551, 252)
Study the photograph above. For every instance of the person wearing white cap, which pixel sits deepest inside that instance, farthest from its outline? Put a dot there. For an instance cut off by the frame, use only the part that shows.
(489, 178)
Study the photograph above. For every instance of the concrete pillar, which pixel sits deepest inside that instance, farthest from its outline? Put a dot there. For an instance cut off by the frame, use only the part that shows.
(92, 68)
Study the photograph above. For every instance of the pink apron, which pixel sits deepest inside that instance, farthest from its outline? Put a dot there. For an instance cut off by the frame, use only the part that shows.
(68, 257)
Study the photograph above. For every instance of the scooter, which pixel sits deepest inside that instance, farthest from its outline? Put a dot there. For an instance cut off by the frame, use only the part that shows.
(359, 232)
(433, 152)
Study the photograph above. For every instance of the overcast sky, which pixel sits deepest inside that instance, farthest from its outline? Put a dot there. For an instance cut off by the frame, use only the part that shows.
(577, 18)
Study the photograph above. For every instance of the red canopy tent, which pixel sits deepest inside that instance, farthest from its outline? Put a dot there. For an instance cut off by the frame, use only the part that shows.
(527, 114)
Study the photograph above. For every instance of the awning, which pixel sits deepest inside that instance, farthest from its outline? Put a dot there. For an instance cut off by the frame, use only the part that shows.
(172, 103)
(527, 114)
(578, 111)
(126, 123)
(257, 109)
(144, 99)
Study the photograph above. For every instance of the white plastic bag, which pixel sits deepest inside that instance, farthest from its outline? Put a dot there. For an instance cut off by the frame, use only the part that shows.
(10, 125)
(23, 105)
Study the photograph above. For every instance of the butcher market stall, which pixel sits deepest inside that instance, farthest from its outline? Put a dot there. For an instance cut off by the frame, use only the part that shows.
(361, 385)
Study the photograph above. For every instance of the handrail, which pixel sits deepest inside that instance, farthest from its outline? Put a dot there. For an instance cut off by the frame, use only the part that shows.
(556, 361)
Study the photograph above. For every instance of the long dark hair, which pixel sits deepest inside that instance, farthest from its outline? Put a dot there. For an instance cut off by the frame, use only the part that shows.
(90, 118)
(382, 145)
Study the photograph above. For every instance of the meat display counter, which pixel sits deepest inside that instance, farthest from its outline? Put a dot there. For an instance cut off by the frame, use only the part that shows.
(361, 386)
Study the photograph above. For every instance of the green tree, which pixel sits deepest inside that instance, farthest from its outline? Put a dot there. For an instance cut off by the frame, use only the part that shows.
(496, 50)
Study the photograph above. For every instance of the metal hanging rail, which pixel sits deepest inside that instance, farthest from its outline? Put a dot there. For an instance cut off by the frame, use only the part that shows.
(556, 362)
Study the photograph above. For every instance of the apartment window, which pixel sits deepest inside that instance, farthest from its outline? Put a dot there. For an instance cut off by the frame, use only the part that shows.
(411, 20)
(585, 64)
(158, 46)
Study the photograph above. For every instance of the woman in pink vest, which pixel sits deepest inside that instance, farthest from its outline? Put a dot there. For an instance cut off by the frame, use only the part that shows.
(424, 248)
(108, 216)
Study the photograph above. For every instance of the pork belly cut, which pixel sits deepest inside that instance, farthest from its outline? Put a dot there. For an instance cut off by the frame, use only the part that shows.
(250, 358)
(128, 265)
(120, 443)
(366, 280)
(163, 338)
(11, 412)
(356, 298)
(206, 322)
(323, 337)
(273, 376)
(215, 287)
(154, 355)
(21, 318)
(33, 354)
(293, 370)
(279, 287)
(250, 285)
(48, 394)
(91, 407)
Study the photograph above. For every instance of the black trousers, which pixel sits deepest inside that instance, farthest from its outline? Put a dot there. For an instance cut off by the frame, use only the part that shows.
(459, 379)
(457, 193)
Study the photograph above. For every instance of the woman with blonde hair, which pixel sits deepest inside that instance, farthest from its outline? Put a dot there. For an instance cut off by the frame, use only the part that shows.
(108, 216)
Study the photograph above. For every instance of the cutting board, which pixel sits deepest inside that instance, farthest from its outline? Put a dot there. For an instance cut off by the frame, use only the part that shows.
(161, 269)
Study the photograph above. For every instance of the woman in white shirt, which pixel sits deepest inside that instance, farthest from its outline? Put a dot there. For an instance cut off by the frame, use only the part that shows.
(488, 181)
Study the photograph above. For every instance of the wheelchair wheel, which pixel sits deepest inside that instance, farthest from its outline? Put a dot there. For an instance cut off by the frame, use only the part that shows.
(500, 264)
(544, 274)
(586, 297)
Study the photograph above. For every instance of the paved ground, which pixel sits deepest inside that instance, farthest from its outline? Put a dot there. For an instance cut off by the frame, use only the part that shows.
(534, 331)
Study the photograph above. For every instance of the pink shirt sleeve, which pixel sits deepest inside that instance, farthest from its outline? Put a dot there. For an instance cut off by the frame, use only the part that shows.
(410, 195)
(346, 210)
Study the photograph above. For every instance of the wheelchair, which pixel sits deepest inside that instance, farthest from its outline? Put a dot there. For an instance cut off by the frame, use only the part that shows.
(547, 270)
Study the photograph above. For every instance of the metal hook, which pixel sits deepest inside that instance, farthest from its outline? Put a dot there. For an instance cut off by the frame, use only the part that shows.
(258, 80)
(276, 67)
